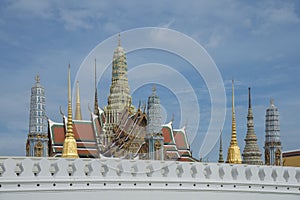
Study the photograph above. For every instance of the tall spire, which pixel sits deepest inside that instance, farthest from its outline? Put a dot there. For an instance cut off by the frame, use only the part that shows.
(272, 138)
(119, 40)
(249, 99)
(154, 135)
(78, 107)
(70, 146)
(119, 97)
(37, 141)
(154, 113)
(234, 153)
(221, 160)
(96, 110)
(251, 153)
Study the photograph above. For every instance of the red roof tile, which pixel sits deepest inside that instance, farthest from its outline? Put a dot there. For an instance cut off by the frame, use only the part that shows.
(181, 139)
(168, 135)
(58, 132)
(83, 131)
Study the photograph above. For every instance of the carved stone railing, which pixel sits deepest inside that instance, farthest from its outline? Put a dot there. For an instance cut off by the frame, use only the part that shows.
(23, 173)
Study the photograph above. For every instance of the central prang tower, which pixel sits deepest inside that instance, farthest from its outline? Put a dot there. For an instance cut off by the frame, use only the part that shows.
(119, 97)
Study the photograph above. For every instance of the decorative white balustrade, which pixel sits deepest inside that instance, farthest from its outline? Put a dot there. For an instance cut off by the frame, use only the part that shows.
(17, 174)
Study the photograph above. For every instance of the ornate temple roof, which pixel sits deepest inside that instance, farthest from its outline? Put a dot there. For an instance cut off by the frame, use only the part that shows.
(181, 139)
(176, 143)
(119, 130)
(167, 131)
(85, 133)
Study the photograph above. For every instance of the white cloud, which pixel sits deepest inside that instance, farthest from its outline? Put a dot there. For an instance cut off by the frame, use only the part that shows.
(76, 19)
(112, 28)
(271, 16)
(281, 15)
(31, 8)
(214, 41)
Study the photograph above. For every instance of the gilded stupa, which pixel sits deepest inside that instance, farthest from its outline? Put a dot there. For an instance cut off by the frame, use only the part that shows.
(234, 153)
(70, 146)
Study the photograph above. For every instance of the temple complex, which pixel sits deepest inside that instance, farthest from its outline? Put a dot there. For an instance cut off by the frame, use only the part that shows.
(119, 130)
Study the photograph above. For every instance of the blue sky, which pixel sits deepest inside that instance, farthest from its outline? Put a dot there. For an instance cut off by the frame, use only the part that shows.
(255, 42)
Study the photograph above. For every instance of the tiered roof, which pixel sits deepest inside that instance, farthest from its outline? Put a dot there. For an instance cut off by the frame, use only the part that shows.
(85, 134)
(176, 144)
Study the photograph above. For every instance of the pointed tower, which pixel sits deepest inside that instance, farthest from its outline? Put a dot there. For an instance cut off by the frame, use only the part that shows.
(234, 153)
(78, 107)
(221, 160)
(154, 135)
(70, 145)
(119, 97)
(37, 142)
(96, 105)
(251, 153)
(272, 141)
